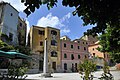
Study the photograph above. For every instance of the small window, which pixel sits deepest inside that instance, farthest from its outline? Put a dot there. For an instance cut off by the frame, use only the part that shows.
(41, 43)
(20, 24)
(94, 54)
(11, 14)
(64, 45)
(65, 55)
(78, 47)
(85, 56)
(86, 43)
(10, 36)
(83, 42)
(53, 54)
(54, 42)
(78, 56)
(72, 46)
(40, 32)
(84, 48)
(78, 41)
(93, 49)
(72, 56)
(63, 38)
(53, 32)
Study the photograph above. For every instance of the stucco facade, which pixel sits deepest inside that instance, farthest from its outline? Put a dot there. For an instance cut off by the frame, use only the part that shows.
(9, 22)
(36, 39)
(93, 44)
(21, 29)
(72, 53)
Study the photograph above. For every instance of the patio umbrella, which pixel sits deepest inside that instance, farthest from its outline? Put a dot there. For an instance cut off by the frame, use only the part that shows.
(18, 55)
(14, 55)
(6, 55)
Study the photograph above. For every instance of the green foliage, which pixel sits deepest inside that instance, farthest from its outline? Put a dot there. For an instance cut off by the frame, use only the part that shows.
(86, 68)
(33, 4)
(110, 42)
(15, 71)
(23, 49)
(5, 47)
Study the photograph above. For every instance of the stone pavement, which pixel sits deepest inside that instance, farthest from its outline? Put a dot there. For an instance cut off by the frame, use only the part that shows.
(70, 76)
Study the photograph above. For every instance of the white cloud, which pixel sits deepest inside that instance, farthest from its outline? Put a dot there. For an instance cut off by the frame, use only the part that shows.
(54, 21)
(16, 4)
(65, 30)
(66, 17)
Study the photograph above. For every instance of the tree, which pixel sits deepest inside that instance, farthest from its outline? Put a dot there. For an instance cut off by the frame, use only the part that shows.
(102, 13)
(110, 42)
(86, 68)
(99, 12)
(23, 49)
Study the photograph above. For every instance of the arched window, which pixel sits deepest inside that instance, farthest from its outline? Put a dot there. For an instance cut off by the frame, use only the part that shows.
(54, 42)
(65, 66)
(72, 56)
(53, 54)
(65, 55)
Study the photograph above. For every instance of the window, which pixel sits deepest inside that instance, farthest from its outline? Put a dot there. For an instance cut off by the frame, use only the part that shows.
(11, 14)
(53, 32)
(85, 56)
(93, 49)
(72, 56)
(64, 45)
(78, 47)
(40, 32)
(41, 43)
(20, 24)
(78, 41)
(53, 54)
(84, 48)
(93, 54)
(65, 55)
(72, 46)
(78, 56)
(86, 43)
(83, 42)
(10, 36)
(54, 42)
(65, 66)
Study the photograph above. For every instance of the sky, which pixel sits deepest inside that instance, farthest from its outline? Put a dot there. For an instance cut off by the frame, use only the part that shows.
(59, 17)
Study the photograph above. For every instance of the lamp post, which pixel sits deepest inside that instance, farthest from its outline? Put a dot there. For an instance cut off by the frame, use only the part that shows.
(46, 73)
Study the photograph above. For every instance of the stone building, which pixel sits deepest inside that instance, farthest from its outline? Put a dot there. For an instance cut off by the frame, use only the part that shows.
(37, 36)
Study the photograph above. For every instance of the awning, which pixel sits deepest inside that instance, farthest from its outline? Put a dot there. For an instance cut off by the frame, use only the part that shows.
(4, 54)
(14, 55)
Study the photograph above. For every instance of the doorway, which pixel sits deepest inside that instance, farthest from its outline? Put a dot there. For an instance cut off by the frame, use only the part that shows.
(54, 65)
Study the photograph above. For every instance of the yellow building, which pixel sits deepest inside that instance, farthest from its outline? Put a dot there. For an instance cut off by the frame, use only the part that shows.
(37, 36)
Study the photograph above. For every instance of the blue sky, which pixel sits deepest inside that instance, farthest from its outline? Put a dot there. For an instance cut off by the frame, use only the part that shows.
(58, 17)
